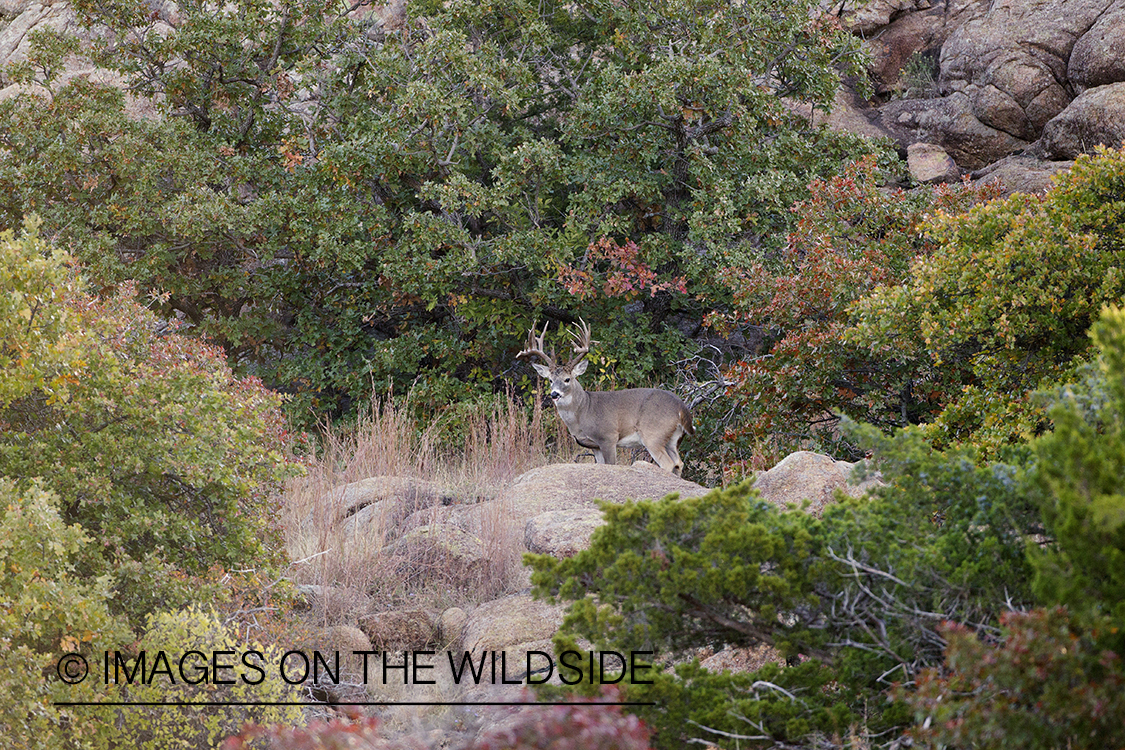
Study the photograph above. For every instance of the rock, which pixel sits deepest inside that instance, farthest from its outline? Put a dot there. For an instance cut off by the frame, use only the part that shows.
(441, 553)
(1021, 173)
(921, 31)
(512, 625)
(400, 630)
(1006, 70)
(929, 164)
(950, 123)
(574, 486)
(339, 671)
(374, 521)
(475, 519)
(1098, 58)
(809, 476)
(451, 625)
(849, 114)
(412, 493)
(562, 533)
(864, 17)
(1097, 116)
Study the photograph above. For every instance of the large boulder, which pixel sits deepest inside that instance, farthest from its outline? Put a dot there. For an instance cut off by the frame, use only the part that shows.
(1096, 117)
(813, 477)
(412, 494)
(562, 533)
(929, 163)
(950, 123)
(573, 486)
(512, 626)
(1098, 57)
(1021, 173)
(442, 553)
(401, 630)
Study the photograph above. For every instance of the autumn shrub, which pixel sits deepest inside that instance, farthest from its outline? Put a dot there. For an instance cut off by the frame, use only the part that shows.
(246, 687)
(1047, 683)
(166, 460)
(578, 726)
(1005, 305)
(53, 621)
(851, 237)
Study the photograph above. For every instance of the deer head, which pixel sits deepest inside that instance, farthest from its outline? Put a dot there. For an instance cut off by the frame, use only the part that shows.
(564, 378)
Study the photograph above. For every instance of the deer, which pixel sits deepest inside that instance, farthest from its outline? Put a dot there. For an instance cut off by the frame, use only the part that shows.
(603, 420)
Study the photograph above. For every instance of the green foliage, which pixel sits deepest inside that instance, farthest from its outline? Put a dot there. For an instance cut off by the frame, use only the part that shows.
(342, 207)
(853, 597)
(1054, 678)
(50, 613)
(1005, 305)
(38, 350)
(1081, 465)
(253, 677)
(165, 458)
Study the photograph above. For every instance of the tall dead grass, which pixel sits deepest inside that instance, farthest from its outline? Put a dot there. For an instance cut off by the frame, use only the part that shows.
(433, 471)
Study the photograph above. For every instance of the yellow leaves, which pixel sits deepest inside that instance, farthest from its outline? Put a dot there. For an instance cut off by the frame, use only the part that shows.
(293, 158)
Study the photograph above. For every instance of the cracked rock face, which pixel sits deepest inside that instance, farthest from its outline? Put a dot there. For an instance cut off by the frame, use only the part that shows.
(1012, 62)
(1041, 77)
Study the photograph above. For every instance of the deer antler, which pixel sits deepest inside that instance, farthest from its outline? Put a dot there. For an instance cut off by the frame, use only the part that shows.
(582, 342)
(535, 347)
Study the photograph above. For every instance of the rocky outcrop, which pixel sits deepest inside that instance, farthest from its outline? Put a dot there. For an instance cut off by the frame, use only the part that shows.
(551, 510)
(1031, 78)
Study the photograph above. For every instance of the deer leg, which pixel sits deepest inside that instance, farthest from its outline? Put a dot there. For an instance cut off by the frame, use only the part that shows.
(606, 454)
(677, 464)
(660, 456)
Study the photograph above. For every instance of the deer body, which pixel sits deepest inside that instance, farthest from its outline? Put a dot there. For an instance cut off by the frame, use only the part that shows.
(603, 420)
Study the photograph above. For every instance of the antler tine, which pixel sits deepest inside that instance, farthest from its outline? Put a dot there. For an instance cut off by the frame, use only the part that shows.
(534, 347)
(582, 342)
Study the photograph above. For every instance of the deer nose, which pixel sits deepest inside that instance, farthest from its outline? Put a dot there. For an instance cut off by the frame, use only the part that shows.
(556, 395)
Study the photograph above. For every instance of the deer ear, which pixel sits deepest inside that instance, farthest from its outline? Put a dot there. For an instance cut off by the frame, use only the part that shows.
(542, 370)
(579, 368)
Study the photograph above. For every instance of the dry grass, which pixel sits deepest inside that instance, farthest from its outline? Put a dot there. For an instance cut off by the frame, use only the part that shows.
(441, 474)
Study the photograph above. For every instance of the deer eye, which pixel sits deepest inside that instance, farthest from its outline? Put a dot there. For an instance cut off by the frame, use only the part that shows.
(567, 380)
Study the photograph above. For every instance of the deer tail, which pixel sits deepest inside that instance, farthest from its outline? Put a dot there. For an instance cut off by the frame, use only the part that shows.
(685, 421)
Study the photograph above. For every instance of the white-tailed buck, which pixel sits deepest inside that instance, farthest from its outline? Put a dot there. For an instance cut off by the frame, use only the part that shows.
(603, 420)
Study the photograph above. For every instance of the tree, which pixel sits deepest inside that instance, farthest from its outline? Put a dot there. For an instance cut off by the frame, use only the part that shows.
(342, 206)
